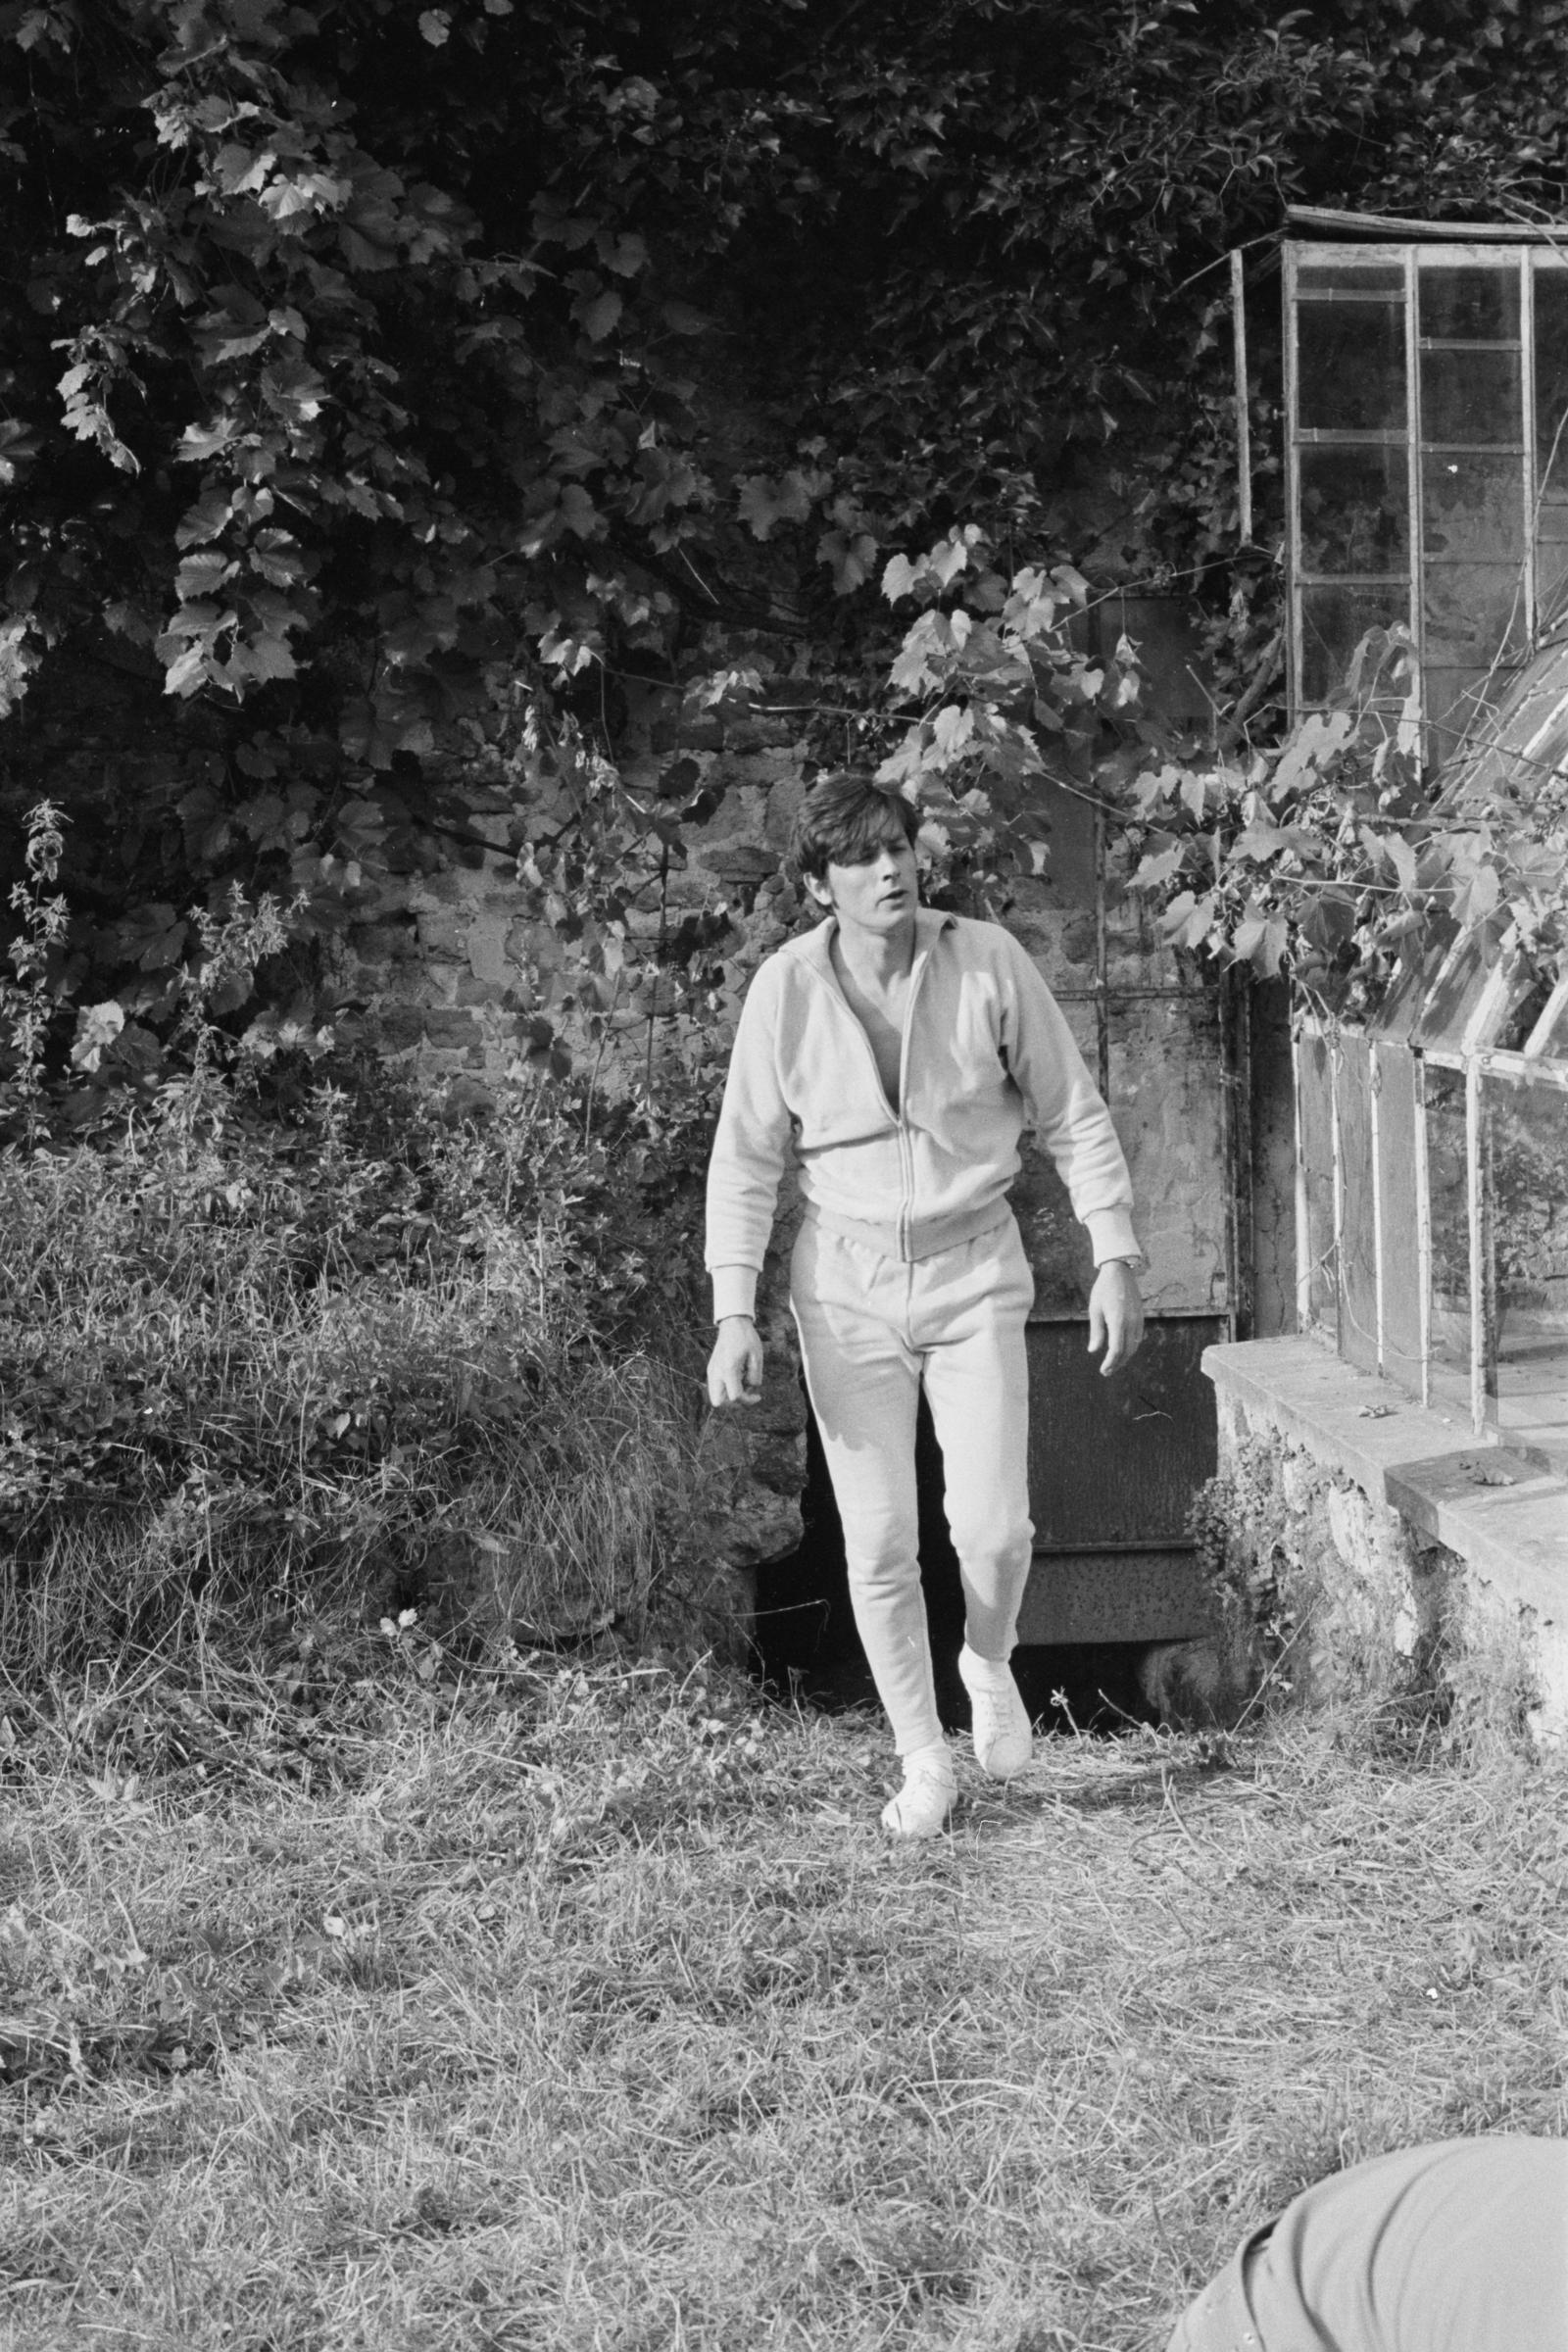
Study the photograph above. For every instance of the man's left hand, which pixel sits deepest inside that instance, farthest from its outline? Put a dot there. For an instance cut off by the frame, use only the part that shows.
(1115, 1317)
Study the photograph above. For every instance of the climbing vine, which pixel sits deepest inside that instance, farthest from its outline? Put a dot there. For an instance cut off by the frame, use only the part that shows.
(1320, 857)
(379, 383)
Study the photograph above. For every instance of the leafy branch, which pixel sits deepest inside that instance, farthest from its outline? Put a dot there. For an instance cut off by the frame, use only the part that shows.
(1320, 858)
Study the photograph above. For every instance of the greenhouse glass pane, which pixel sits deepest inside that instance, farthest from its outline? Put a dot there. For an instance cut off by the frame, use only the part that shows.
(1456, 700)
(1355, 509)
(1473, 614)
(1471, 303)
(1527, 1153)
(1349, 367)
(1350, 279)
(1398, 1186)
(1459, 989)
(1534, 723)
(1448, 1192)
(1516, 998)
(1421, 960)
(1358, 1292)
(1549, 745)
(1537, 1005)
(1552, 1040)
(1334, 621)
(1315, 1114)
(1472, 507)
(1551, 562)
(1551, 380)
(1470, 396)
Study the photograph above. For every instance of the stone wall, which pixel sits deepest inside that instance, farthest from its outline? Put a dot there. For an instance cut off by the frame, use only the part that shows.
(455, 983)
(1367, 1549)
(1333, 1594)
(458, 988)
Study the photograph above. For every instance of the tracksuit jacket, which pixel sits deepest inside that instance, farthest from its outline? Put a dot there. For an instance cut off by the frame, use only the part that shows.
(986, 1053)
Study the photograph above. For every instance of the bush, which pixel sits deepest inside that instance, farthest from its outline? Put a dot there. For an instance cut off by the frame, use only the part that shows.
(252, 1368)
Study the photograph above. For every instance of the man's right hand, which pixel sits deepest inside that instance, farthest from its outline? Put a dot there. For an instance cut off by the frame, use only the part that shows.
(735, 1367)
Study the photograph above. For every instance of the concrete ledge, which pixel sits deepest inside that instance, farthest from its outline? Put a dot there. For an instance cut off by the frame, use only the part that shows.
(1497, 1509)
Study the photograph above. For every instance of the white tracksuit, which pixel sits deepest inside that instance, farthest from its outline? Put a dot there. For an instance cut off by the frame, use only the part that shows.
(908, 1266)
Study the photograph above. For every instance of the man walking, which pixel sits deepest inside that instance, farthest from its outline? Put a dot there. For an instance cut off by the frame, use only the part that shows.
(898, 1054)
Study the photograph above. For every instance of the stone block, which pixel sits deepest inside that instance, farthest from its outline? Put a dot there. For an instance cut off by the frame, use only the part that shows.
(496, 830)
(399, 1026)
(739, 862)
(487, 945)
(763, 731)
(689, 889)
(382, 943)
(451, 1028)
(778, 1463)
(783, 806)
(1348, 1525)
(440, 889)
(409, 853)
(470, 990)
(443, 933)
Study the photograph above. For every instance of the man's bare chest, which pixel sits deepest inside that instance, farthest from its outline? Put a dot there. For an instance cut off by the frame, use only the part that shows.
(882, 1020)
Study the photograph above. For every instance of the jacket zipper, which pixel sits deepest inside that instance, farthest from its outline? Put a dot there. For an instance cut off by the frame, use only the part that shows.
(906, 1148)
(904, 1220)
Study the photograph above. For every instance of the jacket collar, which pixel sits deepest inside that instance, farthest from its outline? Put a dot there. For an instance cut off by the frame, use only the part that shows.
(814, 946)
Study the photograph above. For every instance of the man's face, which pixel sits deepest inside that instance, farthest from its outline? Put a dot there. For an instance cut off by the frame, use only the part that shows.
(878, 894)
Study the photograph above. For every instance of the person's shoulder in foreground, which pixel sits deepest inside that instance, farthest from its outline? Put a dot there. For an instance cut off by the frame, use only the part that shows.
(1459, 2245)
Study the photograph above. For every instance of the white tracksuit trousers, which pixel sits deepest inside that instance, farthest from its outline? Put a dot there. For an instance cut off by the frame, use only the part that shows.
(872, 1329)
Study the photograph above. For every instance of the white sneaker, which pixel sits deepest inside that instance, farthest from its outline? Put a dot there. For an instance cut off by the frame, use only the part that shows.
(921, 1806)
(1004, 1740)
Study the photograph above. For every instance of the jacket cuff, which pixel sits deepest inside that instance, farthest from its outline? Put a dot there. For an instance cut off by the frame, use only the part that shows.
(1112, 1235)
(734, 1291)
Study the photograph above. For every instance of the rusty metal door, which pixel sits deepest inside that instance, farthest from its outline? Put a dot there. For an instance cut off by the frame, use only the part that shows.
(1114, 1463)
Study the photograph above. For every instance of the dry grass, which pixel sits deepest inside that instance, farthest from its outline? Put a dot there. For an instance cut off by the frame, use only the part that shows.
(589, 2009)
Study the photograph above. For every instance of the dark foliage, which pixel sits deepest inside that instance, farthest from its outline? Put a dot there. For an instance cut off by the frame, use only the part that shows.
(372, 378)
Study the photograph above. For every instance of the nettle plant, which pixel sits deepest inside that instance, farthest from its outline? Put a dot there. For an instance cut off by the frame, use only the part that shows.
(108, 1042)
(1317, 857)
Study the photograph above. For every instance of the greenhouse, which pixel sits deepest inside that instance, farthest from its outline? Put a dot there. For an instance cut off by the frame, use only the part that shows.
(1395, 1468)
(1427, 391)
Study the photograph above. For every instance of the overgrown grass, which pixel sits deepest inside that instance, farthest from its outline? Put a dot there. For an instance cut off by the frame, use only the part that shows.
(585, 2006)
(247, 1369)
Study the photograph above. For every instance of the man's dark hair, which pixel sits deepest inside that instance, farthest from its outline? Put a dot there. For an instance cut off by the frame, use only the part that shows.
(844, 821)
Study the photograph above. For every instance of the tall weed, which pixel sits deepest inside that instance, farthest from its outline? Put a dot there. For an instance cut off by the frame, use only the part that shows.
(250, 1368)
